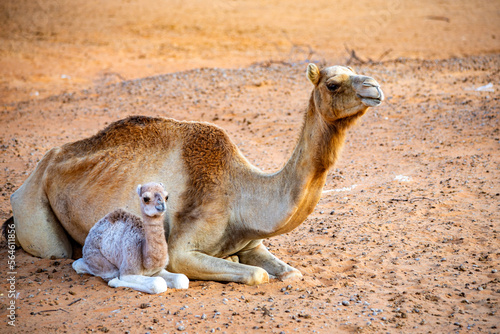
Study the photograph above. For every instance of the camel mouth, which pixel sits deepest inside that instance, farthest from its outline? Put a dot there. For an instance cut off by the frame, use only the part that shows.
(371, 101)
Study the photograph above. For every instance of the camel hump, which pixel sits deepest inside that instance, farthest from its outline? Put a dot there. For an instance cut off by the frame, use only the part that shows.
(133, 131)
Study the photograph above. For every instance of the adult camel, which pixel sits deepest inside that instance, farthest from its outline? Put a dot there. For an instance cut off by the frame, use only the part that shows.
(220, 206)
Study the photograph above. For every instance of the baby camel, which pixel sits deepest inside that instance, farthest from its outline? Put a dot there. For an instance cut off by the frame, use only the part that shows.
(124, 250)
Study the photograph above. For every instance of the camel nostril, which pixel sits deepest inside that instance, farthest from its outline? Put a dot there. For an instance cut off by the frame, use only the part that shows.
(371, 84)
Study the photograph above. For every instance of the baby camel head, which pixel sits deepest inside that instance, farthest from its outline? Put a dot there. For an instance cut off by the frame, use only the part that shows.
(339, 92)
(153, 199)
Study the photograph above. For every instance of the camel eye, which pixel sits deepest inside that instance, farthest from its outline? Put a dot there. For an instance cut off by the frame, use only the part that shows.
(332, 87)
(146, 199)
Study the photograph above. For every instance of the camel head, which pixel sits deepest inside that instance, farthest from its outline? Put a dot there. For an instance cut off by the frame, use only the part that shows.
(153, 199)
(339, 92)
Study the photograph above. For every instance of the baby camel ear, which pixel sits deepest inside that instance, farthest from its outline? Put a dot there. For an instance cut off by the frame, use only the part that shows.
(313, 73)
(139, 189)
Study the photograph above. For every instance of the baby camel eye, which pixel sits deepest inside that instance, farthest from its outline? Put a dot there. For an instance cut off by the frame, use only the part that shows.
(332, 87)
(146, 199)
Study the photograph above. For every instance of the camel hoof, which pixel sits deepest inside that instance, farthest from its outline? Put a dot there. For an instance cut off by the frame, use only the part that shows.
(114, 283)
(180, 282)
(158, 285)
(259, 276)
(290, 275)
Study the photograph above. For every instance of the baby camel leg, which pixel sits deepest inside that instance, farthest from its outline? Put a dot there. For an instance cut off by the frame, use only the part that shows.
(94, 263)
(141, 283)
(174, 281)
(258, 255)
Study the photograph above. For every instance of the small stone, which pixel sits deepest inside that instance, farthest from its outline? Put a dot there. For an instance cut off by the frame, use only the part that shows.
(345, 303)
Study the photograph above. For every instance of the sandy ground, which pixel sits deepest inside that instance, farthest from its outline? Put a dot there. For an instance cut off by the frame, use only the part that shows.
(405, 237)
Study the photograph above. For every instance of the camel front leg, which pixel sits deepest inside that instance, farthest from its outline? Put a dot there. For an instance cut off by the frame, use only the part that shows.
(197, 265)
(256, 254)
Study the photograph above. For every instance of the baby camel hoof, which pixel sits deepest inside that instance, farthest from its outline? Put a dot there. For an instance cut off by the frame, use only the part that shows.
(158, 285)
(114, 283)
(290, 275)
(180, 282)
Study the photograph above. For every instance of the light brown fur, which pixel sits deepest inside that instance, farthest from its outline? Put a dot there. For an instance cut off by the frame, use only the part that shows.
(220, 205)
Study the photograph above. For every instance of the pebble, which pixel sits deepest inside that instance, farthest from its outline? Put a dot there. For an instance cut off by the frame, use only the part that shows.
(345, 303)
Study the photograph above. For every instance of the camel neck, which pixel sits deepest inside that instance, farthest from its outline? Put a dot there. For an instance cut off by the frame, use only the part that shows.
(318, 147)
(154, 247)
(296, 188)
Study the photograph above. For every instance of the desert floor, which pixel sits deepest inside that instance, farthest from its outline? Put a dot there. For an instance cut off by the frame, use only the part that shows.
(405, 238)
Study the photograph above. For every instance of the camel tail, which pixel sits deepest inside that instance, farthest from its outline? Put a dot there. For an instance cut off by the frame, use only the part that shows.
(8, 225)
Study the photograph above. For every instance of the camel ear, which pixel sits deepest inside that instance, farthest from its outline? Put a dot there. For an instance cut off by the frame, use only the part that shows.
(313, 73)
(139, 188)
